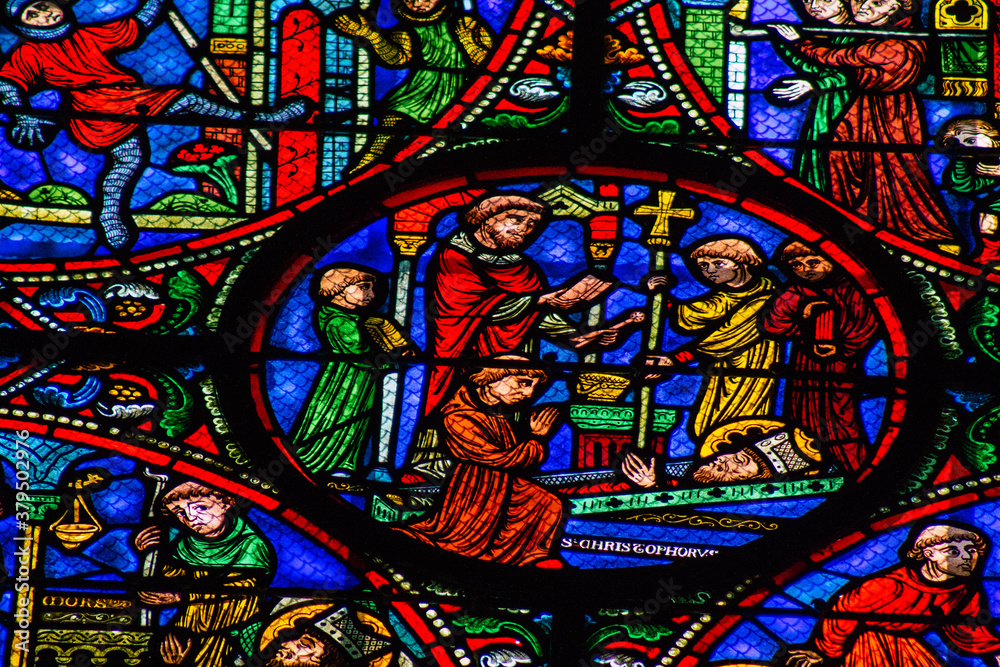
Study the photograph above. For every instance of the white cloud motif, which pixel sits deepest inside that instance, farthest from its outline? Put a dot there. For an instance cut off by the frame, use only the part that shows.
(643, 94)
(618, 660)
(533, 89)
(133, 290)
(119, 411)
(504, 657)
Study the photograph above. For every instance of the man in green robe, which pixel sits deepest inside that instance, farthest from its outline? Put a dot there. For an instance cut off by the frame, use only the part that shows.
(827, 89)
(217, 551)
(437, 43)
(332, 433)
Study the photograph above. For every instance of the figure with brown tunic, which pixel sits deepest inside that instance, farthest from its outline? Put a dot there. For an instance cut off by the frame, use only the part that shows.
(831, 327)
(883, 180)
(491, 509)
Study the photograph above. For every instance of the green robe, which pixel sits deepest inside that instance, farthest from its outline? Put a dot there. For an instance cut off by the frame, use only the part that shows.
(811, 164)
(961, 177)
(333, 430)
(242, 562)
(427, 91)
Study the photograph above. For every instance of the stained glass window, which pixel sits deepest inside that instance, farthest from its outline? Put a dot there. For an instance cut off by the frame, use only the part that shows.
(499, 333)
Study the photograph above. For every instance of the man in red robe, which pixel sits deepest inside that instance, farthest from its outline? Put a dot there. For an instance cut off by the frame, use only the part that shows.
(59, 54)
(831, 327)
(490, 509)
(888, 185)
(880, 621)
(490, 299)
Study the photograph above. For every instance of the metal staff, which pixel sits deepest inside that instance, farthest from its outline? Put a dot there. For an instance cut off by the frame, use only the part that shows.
(149, 562)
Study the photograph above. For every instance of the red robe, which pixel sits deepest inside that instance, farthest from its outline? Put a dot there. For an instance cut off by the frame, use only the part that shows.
(827, 407)
(890, 189)
(79, 65)
(490, 510)
(467, 292)
(896, 642)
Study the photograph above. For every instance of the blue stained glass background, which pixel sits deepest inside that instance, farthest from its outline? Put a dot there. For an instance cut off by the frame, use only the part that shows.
(746, 642)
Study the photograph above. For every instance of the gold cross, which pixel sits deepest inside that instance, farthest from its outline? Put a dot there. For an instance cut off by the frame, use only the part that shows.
(664, 211)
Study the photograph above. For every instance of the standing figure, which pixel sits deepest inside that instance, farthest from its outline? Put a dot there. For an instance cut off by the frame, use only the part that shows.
(831, 327)
(332, 432)
(827, 90)
(217, 551)
(110, 104)
(936, 587)
(488, 299)
(729, 341)
(889, 187)
(977, 177)
(437, 43)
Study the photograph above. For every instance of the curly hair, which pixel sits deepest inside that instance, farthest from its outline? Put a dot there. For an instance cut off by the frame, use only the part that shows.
(969, 126)
(490, 374)
(491, 206)
(798, 249)
(189, 490)
(736, 250)
(940, 534)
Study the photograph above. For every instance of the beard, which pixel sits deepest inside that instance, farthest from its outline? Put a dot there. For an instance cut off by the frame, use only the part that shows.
(504, 241)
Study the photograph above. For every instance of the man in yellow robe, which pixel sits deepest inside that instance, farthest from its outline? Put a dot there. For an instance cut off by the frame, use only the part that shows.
(729, 341)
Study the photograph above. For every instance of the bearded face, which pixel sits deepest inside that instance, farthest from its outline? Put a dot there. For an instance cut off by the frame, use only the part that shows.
(303, 651)
(733, 467)
(508, 230)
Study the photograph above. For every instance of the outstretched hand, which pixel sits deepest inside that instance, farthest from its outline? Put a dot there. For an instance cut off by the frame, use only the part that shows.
(785, 31)
(987, 169)
(542, 420)
(353, 23)
(602, 336)
(29, 130)
(172, 651)
(156, 599)
(803, 658)
(638, 472)
(659, 360)
(793, 90)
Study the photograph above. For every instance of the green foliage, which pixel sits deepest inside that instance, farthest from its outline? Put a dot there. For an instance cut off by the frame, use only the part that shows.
(666, 126)
(946, 424)
(58, 194)
(979, 452)
(522, 121)
(983, 323)
(187, 294)
(639, 630)
(490, 625)
(191, 203)
(178, 417)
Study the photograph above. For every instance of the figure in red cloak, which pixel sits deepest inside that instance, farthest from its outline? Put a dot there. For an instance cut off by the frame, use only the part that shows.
(58, 54)
(491, 509)
(880, 621)
(882, 177)
(831, 327)
(490, 299)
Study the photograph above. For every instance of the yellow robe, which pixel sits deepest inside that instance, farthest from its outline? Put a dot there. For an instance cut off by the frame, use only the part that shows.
(733, 338)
